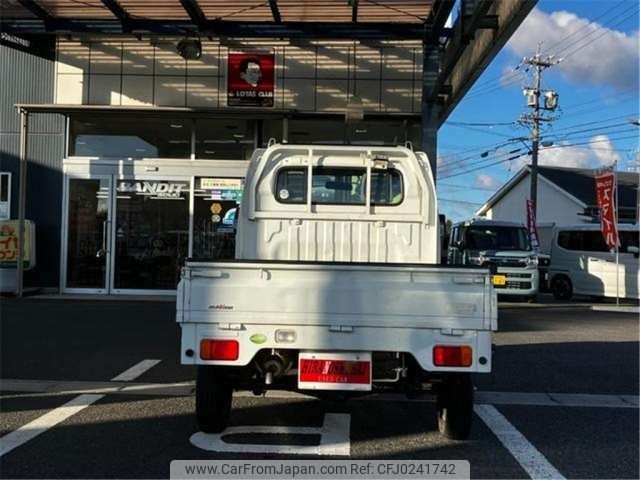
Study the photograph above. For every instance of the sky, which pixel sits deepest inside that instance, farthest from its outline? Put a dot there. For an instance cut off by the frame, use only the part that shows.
(598, 42)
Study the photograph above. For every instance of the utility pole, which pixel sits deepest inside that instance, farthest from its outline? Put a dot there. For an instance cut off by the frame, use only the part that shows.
(533, 100)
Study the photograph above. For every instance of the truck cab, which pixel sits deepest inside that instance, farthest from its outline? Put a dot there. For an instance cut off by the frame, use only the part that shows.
(503, 247)
(337, 288)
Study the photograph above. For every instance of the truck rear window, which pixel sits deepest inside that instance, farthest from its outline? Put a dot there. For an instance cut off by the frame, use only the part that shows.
(339, 186)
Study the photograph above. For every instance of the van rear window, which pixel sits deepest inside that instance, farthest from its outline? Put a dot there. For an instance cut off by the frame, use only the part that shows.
(339, 186)
(582, 240)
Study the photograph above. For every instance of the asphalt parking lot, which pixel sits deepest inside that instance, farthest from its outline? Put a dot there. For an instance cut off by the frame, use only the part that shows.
(94, 389)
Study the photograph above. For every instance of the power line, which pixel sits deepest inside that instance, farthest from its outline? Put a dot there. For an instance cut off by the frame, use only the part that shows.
(512, 78)
(580, 112)
(601, 129)
(466, 187)
(597, 28)
(497, 134)
(440, 199)
(592, 135)
(591, 22)
(590, 142)
(573, 52)
(453, 166)
(483, 164)
(630, 91)
(480, 124)
(478, 148)
(593, 122)
(565, 134)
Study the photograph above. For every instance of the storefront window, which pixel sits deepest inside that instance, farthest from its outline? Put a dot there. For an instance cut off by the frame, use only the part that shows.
(215, 213)
(414, 135)
(388, 132)
(129, 137)
(152, 233)
(272, 128)
(323, 132)
(336, 132)
(225, 139)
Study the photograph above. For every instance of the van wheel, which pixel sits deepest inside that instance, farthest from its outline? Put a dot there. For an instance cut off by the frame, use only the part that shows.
(455, 406)
(561, 287)
(213, 400)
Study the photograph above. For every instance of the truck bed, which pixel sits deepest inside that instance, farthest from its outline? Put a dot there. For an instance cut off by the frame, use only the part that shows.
(363, 305)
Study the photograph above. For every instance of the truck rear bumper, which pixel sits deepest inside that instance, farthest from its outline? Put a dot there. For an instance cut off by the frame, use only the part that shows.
(418, 342)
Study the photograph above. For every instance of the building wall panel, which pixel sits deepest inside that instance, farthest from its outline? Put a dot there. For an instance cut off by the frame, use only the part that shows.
(27, 78)
(309, 77)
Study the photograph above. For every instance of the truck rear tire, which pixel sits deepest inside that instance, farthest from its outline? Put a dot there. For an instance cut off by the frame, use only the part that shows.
(213, 400)
(455, 407)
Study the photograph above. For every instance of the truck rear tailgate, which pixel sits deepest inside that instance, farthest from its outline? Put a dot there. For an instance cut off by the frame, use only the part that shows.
(355, 295)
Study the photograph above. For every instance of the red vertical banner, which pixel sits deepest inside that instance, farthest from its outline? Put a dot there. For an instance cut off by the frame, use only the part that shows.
(250, 79)
(605, 196)
(532, 226)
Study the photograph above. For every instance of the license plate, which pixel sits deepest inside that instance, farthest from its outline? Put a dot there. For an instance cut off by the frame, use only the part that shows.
(334, 371)
(499, 280)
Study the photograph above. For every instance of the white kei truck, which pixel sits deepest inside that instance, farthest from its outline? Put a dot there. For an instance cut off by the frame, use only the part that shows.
(336, 289)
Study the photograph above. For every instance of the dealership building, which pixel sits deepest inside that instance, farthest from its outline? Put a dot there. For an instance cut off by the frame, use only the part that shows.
(126, 127)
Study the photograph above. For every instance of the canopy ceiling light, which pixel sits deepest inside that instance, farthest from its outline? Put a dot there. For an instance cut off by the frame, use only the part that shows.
(190, 48)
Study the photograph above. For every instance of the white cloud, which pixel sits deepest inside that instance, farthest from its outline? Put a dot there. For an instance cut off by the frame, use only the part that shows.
(609, 57)
(486, 181)
(568, 156)
(604, 150)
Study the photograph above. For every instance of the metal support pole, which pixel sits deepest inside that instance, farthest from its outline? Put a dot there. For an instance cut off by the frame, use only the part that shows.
(615, 184)
(22, 199)
(430, 109)
(285, 130)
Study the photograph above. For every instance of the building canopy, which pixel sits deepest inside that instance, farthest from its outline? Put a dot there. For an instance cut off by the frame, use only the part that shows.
(458, 43)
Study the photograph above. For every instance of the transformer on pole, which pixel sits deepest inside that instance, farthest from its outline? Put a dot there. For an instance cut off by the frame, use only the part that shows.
(550, 103)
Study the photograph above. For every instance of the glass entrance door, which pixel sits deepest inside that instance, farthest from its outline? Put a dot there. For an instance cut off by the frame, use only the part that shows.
(87, 241)
(150, 235)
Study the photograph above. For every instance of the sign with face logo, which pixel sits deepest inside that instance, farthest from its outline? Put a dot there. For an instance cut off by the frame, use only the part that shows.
(250, 79)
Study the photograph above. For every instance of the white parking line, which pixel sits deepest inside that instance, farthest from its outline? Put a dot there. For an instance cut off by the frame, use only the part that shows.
(135, 371)
(50, 419)
(529, 458)
(541, 399)
(334, 438)
(45, 422)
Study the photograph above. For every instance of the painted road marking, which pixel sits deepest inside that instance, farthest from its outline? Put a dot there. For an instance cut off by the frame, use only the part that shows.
(529, 458)
(45, 422)
(135, 371)
(50, 419)
(49, 387)
(334, 438)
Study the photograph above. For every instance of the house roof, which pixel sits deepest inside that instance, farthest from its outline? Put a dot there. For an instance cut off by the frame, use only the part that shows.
(578, 183)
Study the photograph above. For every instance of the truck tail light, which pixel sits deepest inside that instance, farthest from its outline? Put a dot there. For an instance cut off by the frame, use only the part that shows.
(219, 349)
(452, 356)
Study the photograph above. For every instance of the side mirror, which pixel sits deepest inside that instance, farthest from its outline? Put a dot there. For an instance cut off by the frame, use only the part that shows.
(459, 245)
(634, 250)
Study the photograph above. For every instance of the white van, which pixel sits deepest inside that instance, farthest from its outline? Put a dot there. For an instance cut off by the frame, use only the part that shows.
(582, 264)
